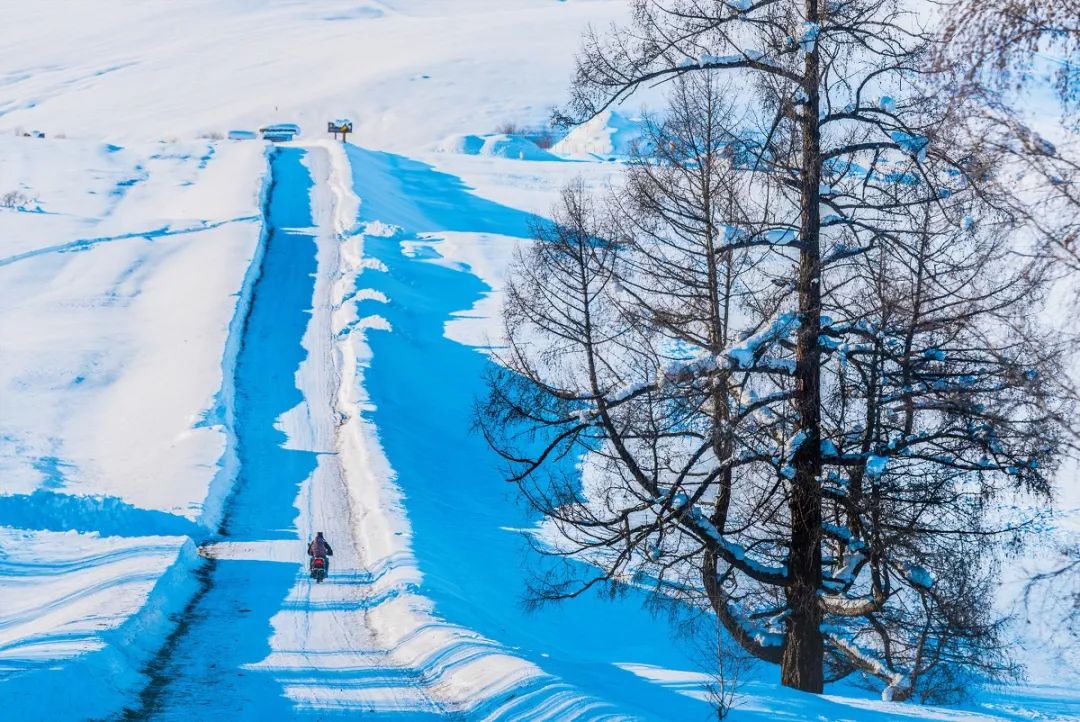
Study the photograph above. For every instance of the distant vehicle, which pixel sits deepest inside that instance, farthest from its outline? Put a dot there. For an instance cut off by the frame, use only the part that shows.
(280, 132)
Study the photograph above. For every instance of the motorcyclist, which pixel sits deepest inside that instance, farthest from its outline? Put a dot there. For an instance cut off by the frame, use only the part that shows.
(319, 547)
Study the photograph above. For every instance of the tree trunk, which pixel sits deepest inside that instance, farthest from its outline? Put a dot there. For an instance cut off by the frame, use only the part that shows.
(803, 656)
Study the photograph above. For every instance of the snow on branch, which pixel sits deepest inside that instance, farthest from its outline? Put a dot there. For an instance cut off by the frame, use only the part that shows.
(899, 685)
(918, 576)
(733, 553)
(914, 145)
(746, 355)
(762, 635)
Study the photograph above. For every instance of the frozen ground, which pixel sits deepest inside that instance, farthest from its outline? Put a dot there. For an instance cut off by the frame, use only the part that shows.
(134, 398)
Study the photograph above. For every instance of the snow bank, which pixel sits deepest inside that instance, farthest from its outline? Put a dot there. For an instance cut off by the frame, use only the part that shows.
(123, 293)
(82, 615)
(464, 671)
(404, 618)
(609, 135)
(213, 507)
(127, 288)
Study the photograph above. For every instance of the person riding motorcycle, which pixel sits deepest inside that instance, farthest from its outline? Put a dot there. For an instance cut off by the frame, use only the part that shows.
(319, 547)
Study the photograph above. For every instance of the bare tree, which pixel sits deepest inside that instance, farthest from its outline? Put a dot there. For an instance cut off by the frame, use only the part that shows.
(987, 54)
(731, 664)
(992, 50)
(943, 384)
(790, 350)
(999, 42)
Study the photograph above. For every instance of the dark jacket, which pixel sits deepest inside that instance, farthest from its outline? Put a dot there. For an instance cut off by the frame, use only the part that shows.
(319, 548)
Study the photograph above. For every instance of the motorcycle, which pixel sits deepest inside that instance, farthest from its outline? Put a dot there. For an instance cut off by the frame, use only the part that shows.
(318, 568)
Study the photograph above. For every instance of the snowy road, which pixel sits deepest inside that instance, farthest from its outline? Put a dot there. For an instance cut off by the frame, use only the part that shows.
(263, 641)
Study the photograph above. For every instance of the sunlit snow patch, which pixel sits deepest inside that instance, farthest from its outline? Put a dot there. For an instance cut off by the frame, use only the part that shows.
(609, 135)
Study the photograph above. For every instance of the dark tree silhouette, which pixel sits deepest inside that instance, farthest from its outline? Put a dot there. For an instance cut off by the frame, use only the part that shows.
(791, 350)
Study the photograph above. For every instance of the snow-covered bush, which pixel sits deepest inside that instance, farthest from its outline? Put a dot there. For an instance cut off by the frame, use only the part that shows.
(15, 199)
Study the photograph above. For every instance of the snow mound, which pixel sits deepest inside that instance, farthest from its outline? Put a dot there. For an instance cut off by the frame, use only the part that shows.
(378, 229)
(610, 134)
(82, 615)
(496, 146)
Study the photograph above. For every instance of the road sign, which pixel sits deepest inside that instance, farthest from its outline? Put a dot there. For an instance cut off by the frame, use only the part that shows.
(339, 126)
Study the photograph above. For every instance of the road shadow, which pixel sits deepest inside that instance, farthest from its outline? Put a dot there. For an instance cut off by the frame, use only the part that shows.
(422, 387)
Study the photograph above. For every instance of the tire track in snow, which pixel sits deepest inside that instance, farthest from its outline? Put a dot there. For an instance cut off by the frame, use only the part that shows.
(325, 501)
(260, 640)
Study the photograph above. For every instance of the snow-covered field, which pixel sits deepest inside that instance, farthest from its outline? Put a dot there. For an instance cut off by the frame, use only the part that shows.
(121, 276)
(408, 72)
(203, 344)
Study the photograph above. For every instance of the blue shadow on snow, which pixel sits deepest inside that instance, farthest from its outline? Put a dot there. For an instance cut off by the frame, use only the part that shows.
(108, 515)
(206, 676)
(423, 388)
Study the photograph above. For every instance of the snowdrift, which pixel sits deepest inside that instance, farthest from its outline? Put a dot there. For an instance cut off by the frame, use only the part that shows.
(82, 615)
(496, 146)
(609, 135)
